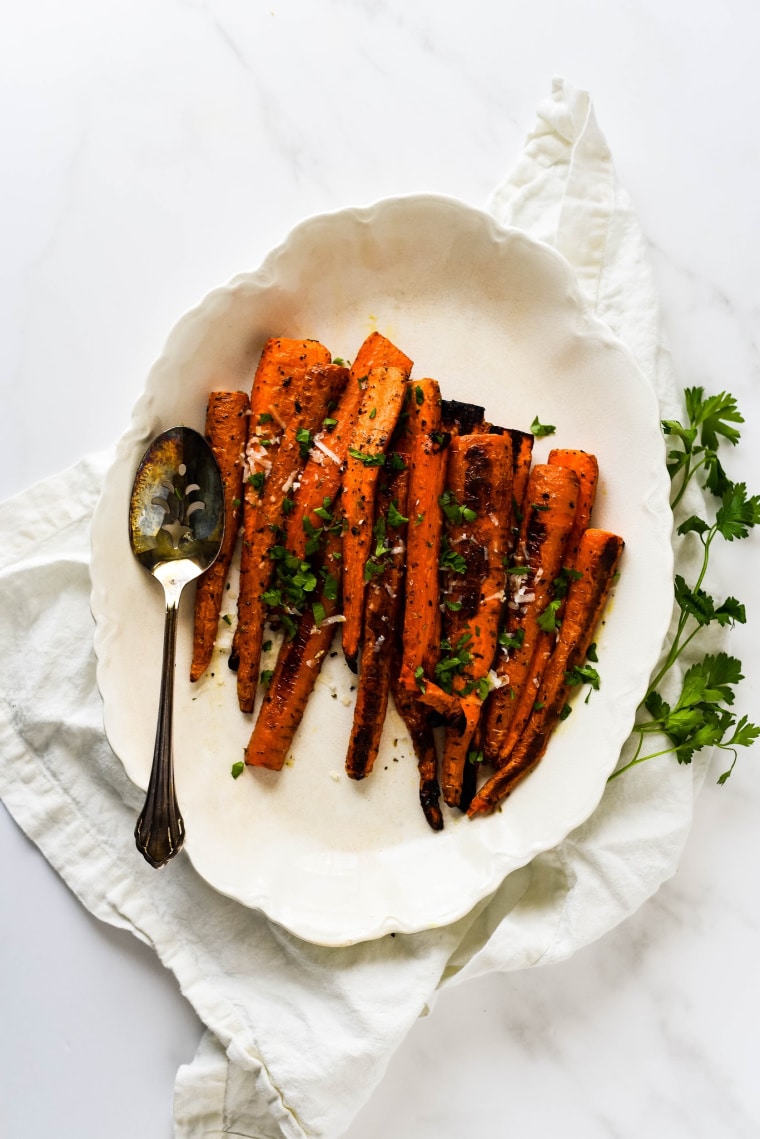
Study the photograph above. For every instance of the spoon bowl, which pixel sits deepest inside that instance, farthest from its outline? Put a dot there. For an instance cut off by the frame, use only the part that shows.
(176, 527)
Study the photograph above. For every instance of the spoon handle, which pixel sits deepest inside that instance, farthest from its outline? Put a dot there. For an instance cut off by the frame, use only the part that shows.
(160, 831)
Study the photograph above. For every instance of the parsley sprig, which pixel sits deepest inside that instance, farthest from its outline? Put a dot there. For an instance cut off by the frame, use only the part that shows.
(702, 714)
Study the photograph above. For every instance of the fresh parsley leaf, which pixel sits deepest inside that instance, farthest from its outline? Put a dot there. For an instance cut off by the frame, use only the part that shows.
(303, 439)
(395, 517)
(370, 460)
(714, 416)
(583, 674)
(318, 611)
(451, 560)
(511, 640)
(737, 514)
(540, 429)
(548, 619)
(702, 716)
(455, 512)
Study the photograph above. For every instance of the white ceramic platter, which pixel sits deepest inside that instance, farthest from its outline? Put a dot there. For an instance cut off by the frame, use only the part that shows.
(498, 319)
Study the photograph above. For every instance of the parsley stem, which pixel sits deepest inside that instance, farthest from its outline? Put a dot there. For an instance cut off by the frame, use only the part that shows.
(678, 646)
(640, 759)
(688, 474)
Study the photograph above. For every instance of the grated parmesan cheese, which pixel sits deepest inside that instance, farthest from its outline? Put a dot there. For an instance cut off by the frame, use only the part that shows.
(326, 450)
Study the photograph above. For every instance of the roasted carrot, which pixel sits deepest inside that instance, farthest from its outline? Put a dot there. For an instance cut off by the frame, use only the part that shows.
(461, 418)
(227, 432)
(477, 507)
(586, 468)
(528, 636)
(384, 572)
(522, 452)
(377, 351)
(421, 626)
(323, 473)
(265, 492)
(383, 392)
(598, 556)
(299, 662)
(282, 365)
(415, 716)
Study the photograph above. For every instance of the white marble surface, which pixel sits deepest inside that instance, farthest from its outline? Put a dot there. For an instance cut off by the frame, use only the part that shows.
(152, 150)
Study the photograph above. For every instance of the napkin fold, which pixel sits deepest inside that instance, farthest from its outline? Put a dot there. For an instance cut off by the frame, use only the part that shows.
(297, 1035)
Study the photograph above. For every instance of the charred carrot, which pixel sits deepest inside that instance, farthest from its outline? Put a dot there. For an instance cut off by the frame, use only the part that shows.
(265, 492)
(384, 572)
(383, 392)
(528, 636)
(586, 469)
(522, 452)
(598, 556)
(421, 625)
(461, 418)
(417, 721)
(299, 662)
(477, 507)
(323, 473)
(227, 432)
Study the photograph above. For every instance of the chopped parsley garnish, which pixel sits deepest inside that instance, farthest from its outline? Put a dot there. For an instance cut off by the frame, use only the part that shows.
(450, 559)
(377, 459)
(548, 619)
(395, 517)
(540, 429)
(454, 511)
(303, 439)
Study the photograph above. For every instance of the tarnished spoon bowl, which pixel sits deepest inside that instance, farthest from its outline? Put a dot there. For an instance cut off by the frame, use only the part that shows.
(176, 526)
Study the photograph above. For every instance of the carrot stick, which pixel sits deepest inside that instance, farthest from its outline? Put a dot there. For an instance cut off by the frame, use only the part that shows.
(384, 571)
(378, 352)
(477, 506)
(383, 393)
(550, 507)
(522, 451)
(226, 431)
(282, 365)
(416, 718)
(586, 468)
(323, 474)
(598, 556)
(265, 492)
(299, 662)
(421, 632)
(414, 714)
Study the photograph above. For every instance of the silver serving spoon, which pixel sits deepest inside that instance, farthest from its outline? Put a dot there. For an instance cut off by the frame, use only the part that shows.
(176, 526)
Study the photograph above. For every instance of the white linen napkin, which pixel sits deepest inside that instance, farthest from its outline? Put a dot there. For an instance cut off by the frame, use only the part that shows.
(298, 1035)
